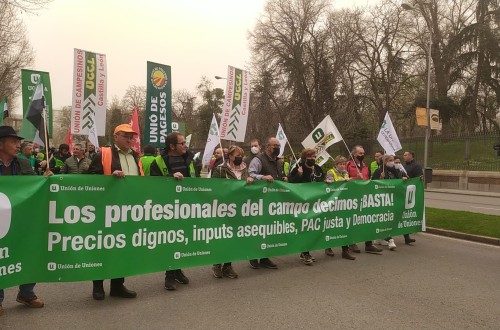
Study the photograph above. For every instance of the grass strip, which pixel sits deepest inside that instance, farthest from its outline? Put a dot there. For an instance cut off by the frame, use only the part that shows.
(464, 222)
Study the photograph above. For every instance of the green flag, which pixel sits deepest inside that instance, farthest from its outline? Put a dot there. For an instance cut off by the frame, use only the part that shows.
(4, 110)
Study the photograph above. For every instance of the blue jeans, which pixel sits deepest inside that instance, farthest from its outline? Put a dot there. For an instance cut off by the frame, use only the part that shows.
(25, 290)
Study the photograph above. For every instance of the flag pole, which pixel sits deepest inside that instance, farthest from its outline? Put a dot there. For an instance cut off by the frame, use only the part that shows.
(350, 154)
(220, 142)
(46, 133)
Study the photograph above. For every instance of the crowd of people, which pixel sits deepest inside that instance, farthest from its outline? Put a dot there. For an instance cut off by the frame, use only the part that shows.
(263, 163)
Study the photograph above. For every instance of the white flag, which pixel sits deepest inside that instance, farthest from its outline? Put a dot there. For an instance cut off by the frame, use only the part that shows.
(93, 130)
(234, 117)
(281, 136)
(387, 136)
(212, 142)
(188, 140)
(322, 158)
(323, 136)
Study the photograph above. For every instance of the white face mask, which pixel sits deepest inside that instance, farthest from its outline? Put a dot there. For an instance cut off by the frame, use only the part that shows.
(255, 150)
(389, 164)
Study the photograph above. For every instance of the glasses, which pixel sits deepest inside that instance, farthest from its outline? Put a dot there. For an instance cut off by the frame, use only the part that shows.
(127, 137)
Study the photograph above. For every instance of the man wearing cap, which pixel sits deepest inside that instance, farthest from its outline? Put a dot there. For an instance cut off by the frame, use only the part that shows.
(10, 164)
(119, 160)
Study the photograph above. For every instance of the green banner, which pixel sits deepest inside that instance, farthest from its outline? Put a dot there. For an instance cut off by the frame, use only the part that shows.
(82, 227)
(158, 104)
(29, 80)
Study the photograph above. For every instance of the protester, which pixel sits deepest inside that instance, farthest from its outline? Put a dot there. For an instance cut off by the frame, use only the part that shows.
(307, 171)
(387, 171)
(413, 170)
(58, 158)
(11, 164)
(76, 164)
(338, 174)
(358, 170)
(266, 166)
(255, 147)
(376, 163)
(232, 168)
(216, 158)
(26, 152)
(120, 161)
(176, 162)
(90, 154)
(148, 158)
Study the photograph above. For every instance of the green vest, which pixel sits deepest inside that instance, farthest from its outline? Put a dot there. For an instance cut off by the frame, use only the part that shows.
(164, 169)
(146, 163)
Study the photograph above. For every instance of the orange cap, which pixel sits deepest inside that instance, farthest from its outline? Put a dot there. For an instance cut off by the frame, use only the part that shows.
(126, 128)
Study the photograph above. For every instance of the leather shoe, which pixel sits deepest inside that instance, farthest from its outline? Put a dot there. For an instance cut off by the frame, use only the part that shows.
(98, 295)
(122, 292)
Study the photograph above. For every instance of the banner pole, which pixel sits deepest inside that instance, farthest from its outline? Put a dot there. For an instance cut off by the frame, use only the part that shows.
(46, 133)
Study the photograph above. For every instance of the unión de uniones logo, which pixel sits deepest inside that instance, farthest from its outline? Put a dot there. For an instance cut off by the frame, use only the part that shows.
(263, 246)
(264, 190)
(158, 78)
(51, 266)
(5, 215)
(177, 255)
(178, 189)
(54, 187)
(410, 196)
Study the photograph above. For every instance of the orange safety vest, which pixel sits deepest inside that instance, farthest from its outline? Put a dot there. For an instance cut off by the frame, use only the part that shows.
(107, 156)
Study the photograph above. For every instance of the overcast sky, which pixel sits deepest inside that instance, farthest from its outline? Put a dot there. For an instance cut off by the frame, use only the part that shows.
(195, 37)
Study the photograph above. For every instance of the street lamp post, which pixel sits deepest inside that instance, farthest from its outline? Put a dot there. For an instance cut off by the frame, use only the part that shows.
(407, 6)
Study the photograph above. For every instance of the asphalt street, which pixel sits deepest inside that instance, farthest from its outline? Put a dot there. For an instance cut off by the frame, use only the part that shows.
(439, 283)
(464, 201)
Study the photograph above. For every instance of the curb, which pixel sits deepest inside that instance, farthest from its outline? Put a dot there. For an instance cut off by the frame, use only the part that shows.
(468, 237)
(464, 192)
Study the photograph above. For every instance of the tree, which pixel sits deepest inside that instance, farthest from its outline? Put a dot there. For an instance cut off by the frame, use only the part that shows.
(212, 102)
(29, 6)
(16, 52)
(114, 118)
(134, 95)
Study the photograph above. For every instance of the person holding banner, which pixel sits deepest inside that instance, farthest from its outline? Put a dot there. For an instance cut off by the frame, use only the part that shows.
(413, 170)
(119, 160)
(177, 162)
(339, 174)
(388, 171)
(232, 168)
(358, 170)
(58, 158)
(307, 171)
(266, 166)
(11, 164)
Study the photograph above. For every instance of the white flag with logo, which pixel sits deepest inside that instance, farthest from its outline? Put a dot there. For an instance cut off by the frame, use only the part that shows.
(281, 136)
(323, 136)
(322, 158)
(387, 136)
(212, 142)
(233, 121)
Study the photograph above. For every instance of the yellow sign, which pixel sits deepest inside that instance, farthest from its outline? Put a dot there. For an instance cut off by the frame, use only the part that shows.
(421, 116)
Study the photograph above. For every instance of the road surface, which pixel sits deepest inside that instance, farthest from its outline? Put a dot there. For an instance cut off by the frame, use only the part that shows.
(439, 283)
